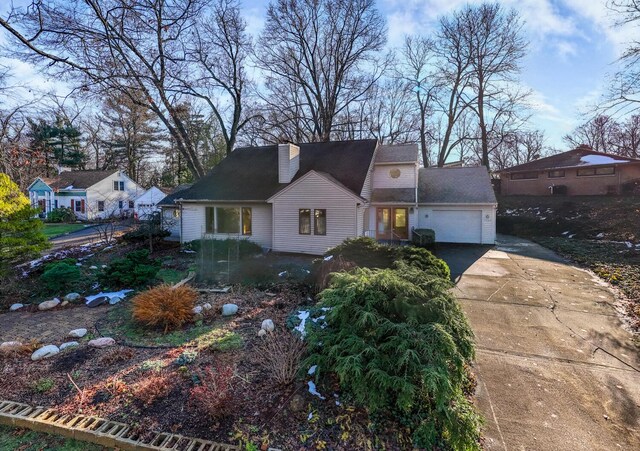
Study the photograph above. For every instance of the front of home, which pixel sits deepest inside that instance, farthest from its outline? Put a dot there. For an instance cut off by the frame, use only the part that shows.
(307, 198)
(578, 172)
(89, 194)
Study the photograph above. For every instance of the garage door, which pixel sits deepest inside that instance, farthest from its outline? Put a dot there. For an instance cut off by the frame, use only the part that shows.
(457, 226)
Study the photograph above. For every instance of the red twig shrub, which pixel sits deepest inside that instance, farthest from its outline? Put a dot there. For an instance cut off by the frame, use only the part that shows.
(152, 388)
(165, 306)
(279, 355)
(214, 396)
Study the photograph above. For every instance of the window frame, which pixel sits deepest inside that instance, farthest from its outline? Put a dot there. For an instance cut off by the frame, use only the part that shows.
(595, 170)
(116, 185)
(131, 204)
(315, 221)
(77, 206)
(101, 205)
(562, 171)
(246, 231)
(307, 216)
(523, 175)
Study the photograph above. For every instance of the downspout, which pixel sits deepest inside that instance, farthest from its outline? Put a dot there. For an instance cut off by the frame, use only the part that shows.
(181, 231)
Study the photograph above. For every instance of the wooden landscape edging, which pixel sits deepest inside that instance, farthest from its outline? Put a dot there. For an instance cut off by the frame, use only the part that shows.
(99, 431)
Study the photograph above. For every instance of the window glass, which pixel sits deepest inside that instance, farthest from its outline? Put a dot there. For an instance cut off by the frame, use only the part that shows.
(120, 204)
(304, 221)
(557, 173)
(246, 221)
(121, 186)
(100, 205)
(524, 175)
(176, 213)
(130, 204)
(209, 220)
(320, 222)
(115, 185)
(228, 220)
(78, 206)
(606, 171)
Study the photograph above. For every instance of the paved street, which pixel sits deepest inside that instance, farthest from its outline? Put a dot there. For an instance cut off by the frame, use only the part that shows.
(556, 369)
(87, 235)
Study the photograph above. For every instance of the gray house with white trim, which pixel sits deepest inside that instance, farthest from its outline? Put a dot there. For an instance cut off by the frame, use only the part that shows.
(307, 198)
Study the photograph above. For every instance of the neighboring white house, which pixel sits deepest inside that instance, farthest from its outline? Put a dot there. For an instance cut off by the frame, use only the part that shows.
(90, 194)
(307, 198)
(147, 203)
(171, 211)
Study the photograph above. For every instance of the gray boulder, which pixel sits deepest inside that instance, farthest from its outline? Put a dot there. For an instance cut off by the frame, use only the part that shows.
(15, 307)
(97, 301)
(48, 305)
(197, 310)
(10, 345)
(229, 309)
(102, 342)
(69, 344)
(78, 333)
(268, 325)
(45, 352)
(72, 297)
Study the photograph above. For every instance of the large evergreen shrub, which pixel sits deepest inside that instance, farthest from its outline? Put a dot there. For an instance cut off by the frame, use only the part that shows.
(134, 271)
(60, 277)
(398, 341)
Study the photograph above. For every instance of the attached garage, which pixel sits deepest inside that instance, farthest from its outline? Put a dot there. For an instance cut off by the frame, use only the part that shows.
(458, 204)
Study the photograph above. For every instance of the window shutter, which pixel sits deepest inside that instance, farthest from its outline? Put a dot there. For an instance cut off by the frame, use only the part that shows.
(82, 206)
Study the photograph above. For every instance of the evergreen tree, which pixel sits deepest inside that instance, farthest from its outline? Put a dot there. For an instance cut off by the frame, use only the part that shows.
(59, 143)
(20, 231)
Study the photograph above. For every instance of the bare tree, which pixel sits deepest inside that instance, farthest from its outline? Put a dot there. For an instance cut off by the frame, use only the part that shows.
(327, 51)
(147, 50)
(518, 148)
(629, 137)
(600, 133)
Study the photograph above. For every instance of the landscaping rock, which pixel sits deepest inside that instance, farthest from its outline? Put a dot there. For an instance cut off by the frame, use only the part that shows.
(268, 325)
(102, 342)
(197, 310)
(64, 303)
(93, 267)
(78, 333)
(229, 309)
(15, 307)
(10, 345)
(114, 300)
(48, 305)
(69, 344)
(262, 333)
(44, 352)
(72, 297)
(207, 306)
(95, 302)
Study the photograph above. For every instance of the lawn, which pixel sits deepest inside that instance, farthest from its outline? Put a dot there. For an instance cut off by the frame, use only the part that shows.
(54, 230)
(25, 440)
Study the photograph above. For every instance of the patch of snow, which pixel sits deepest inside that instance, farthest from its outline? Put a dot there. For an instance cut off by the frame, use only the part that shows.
(600, 235)
(69, 187)
(312, 370)
(328, 257)
(572, 235)
(566, 233)
(303, 315)
(282, 274)
(629, 245)
(188, 251)
(114, 294)
(313, 391)
(310, 416)
(599, 159)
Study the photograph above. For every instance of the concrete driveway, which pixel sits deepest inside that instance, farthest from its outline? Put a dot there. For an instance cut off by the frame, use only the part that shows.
(556, 370)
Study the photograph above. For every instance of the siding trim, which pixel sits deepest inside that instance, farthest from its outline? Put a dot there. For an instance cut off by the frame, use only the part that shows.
(319, 174)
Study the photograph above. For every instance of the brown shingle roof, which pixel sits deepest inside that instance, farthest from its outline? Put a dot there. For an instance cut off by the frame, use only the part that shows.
(581, 156)
(77, 179)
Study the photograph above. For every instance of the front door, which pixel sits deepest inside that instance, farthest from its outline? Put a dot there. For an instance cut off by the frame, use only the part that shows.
(392, 224)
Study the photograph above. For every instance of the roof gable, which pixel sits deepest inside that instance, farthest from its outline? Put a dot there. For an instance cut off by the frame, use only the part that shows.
(324, 176)
(581, 156)
(251, 173)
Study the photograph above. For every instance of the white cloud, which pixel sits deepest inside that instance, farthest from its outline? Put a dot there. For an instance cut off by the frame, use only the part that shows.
(565, 49)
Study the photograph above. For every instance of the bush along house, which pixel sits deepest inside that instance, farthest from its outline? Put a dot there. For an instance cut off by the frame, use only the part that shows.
(89, 194)
(307, 198)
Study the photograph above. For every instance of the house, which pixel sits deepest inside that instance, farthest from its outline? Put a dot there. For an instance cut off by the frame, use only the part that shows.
(307, 198)
(581, 171)
(90, 194)
(147, 203)
(171, 211)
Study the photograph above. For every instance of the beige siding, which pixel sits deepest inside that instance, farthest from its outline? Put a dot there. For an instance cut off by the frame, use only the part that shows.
(368, 182)
(193, 223)
(382, 176)
(313, 192)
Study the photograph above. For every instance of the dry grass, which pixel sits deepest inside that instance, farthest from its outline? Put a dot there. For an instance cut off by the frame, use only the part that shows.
(165, 307)
(279, 355)
(152, 388)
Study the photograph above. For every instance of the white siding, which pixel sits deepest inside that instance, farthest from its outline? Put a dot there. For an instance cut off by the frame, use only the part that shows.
(146, 203)
(486, 222)
(313, 192)
(171, 222)
(382, 177)
(194, 216)
(103, 191)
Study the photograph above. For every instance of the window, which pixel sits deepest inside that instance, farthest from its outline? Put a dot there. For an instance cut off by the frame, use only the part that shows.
(304, 221)
(320, 222)
(100, 205)
(118, 186)
(120, 204)
(176, 213)
(246, 221)
(556, 174)
(607, 170)
(524, 175)
(55, 203)
(209, 226)
(228, 220)
(130, 204)
(78, 206)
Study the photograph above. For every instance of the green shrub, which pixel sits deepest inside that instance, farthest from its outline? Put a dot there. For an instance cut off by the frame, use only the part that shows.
(60, 276)
(423, 237)
(143, 232)
(400, 344)
(424, 260)
(364, 252)
(221, 248)
(61, 214)
(134, 271)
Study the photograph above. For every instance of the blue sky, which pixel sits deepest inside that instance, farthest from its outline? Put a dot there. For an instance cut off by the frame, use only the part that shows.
(573, 48)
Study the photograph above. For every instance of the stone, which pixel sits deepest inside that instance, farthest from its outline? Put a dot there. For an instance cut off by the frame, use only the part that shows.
(69, 344)
(262, 333)
(229, 309)
(78, 333)
(268, 325)
(64, 303)
(48, 305)
(15, 307)
(197, 310)
(207, 306)
(72, 297)
(10, 345)
(102, 342)
(114, 300)
(93, 267)
(45, 352)
(97, 301)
